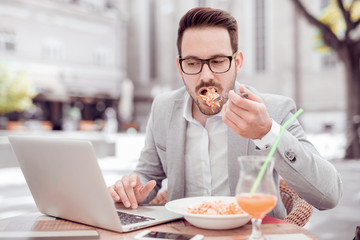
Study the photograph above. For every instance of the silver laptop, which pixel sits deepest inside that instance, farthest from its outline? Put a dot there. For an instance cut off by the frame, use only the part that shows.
(65, 181)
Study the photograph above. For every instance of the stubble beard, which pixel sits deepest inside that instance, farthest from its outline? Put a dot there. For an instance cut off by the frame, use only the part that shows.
(202, 106)
(207, 110)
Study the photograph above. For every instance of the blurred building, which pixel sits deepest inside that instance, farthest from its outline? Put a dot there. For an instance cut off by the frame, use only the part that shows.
(78, 51)
(278, 47)
(74, 51)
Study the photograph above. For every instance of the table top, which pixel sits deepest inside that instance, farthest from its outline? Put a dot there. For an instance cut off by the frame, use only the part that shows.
(38, 222)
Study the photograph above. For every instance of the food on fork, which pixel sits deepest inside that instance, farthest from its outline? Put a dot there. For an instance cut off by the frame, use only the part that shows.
(209, 96)
(216, 208)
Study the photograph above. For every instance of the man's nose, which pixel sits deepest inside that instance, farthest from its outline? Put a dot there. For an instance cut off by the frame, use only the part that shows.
(206, 73)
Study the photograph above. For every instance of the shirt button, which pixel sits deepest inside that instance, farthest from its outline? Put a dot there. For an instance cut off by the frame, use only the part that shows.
(290, 155)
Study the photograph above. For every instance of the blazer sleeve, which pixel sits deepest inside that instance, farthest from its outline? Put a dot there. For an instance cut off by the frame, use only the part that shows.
(149, 166)
(314, 178)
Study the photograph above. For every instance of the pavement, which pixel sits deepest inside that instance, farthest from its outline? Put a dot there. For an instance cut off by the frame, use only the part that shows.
(334, 224)
(340, 222)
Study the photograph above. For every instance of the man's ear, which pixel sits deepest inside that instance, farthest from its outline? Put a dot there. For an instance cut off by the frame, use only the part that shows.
(178, 66)
(239, 61)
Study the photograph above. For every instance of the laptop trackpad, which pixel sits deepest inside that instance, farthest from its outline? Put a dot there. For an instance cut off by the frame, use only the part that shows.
(154, 211)
(140, 209)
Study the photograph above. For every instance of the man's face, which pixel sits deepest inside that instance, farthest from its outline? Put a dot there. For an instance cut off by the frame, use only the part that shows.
(205, 43)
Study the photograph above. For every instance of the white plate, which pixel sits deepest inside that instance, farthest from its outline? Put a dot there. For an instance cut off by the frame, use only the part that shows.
(217, 222)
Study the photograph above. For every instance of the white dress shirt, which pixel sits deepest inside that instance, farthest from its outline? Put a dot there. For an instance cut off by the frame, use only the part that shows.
(206, 163)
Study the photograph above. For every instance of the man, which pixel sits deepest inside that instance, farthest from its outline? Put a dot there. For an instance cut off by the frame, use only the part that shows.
(196, 146)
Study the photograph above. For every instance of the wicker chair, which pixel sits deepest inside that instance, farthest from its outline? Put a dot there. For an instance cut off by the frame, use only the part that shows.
(160, 198)
(298, 210)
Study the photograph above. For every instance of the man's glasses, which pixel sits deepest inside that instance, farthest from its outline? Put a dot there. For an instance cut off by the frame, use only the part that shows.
(193, 66)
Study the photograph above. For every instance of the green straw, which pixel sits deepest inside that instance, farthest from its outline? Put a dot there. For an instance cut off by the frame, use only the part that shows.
(272, 151)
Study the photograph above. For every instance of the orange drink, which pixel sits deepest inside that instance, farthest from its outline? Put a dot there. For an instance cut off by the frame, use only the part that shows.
(257, 205)
(259, 201)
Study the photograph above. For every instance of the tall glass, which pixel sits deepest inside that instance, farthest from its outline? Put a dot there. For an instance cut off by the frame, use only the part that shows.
(263, 199)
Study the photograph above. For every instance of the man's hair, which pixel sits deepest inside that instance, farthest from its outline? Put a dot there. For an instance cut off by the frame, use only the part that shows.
(208, 17)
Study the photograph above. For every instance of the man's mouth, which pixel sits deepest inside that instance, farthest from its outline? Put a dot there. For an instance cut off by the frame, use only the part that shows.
(204, 91)
(208, 95)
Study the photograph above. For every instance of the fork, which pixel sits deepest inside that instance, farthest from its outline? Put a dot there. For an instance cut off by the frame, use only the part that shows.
(226, 96)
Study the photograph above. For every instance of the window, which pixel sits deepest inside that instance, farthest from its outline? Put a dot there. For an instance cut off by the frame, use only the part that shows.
(152, 40)
(7, 40)
(329, 60)
(260, 36)
(202, 3)
(53, 50)
(101, 56)
(324, 3)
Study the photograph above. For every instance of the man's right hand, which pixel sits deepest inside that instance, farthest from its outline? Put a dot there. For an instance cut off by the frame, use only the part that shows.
(130, 191)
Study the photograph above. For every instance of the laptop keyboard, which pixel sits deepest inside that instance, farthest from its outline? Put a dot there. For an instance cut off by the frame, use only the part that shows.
(127, 218)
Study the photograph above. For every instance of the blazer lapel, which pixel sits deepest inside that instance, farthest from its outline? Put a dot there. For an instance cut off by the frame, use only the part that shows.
(175, 152)
(237, 146)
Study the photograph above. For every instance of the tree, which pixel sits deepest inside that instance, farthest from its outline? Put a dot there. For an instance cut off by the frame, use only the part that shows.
(338, 27)
(16, 91)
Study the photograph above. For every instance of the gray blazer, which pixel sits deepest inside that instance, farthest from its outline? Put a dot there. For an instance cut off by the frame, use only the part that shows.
(296, 160)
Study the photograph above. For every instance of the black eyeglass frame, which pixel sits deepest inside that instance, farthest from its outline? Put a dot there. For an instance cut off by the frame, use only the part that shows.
(207, 61)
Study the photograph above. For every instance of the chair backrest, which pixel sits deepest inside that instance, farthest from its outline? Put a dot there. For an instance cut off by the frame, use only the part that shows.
(160, 198)
(298, 210)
